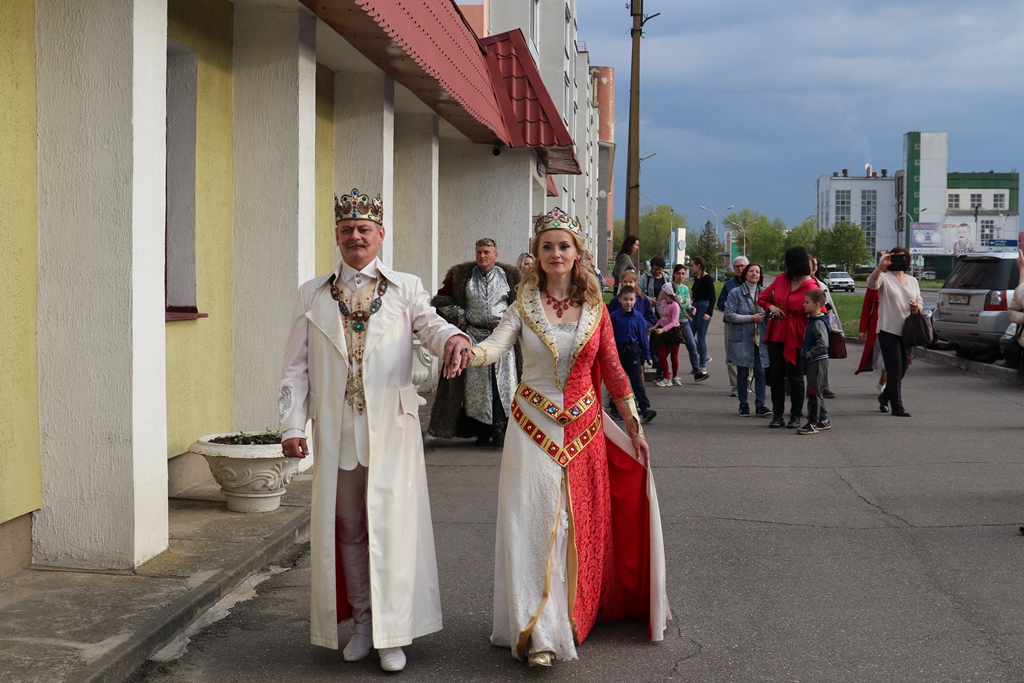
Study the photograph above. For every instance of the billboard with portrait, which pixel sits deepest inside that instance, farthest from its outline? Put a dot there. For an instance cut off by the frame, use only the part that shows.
(948, 239)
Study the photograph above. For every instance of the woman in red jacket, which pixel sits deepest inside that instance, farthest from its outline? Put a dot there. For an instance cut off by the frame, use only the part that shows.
(871, 357)
(784, 300)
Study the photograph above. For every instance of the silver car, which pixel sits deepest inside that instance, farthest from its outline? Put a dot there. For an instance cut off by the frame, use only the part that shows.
(971, 311)
(838, 279)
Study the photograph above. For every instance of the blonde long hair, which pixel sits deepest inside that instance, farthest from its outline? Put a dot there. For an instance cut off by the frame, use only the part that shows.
(584, 286)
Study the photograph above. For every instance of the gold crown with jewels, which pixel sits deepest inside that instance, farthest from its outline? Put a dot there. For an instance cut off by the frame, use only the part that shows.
(556, 219)
(358, 206)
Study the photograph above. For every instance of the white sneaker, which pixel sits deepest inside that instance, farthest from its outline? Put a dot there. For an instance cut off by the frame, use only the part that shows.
(663, 383)
(358, 647)
(677, 381)
(392, 658)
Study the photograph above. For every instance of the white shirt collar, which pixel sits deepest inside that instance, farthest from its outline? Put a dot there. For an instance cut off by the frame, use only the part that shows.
(355, 279)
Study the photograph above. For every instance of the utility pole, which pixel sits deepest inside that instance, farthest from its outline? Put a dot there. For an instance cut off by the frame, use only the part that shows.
(636, 10)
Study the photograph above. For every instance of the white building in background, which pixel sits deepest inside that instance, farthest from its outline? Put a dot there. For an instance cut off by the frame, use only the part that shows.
(868, 201)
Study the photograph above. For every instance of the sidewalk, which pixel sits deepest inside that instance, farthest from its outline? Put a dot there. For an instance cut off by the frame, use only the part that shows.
(68, 625)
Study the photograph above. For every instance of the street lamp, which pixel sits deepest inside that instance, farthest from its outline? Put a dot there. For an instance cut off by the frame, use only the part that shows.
(743, 232)
(716, 215)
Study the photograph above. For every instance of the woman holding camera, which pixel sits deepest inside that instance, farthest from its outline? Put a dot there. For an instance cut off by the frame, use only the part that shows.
(898, 296)
(784, 301)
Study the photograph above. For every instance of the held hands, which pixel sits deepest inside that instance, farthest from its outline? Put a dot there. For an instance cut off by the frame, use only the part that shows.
(456, 356)
(295, 448)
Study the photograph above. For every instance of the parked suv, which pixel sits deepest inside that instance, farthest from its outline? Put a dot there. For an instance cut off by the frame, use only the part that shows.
(971, 310)
(839, 279)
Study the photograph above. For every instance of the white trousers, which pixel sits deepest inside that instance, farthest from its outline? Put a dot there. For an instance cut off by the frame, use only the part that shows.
(350, 512)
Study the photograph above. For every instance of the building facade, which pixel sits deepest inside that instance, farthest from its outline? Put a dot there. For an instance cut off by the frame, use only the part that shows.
(869, 201)
(168, 175)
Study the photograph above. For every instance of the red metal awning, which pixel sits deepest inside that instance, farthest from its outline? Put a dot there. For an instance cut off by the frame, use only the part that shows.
(530, 115)
(428, 47)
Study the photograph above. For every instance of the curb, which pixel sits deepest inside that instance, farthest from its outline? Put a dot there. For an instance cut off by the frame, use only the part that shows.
(122, 661)
(996, 372)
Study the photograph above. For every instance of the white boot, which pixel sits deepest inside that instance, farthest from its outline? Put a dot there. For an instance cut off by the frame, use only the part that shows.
(392, 658)
(358, 647)
(355, 560)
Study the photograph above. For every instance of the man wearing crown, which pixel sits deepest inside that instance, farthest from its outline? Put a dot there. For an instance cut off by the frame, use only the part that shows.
(474, 296)
(347, 367)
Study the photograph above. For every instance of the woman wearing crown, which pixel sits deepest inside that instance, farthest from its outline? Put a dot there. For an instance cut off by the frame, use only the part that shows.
(578, 530)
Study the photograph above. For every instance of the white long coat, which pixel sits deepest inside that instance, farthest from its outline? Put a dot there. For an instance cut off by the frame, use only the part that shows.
(404, 590)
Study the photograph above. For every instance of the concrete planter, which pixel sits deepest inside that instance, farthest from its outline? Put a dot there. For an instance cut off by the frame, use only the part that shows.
(253, 478)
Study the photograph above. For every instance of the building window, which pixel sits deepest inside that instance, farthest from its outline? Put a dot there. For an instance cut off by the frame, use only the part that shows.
(953, 201)
(842, 206)
(999, 201)
(917, 179)
(869, 216)
(975, 201)
(917, 162)
(988, 231)
(917, 145)
(535, 23)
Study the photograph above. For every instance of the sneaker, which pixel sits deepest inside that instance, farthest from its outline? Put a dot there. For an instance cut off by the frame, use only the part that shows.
(700, 376)
(677, 381)
(649, 415)
(744, 411)
(827, 393)
(708, 360)
(793, 423)
(762, 411)
(663, 383)
(824, 425)
(734, 393)
(615, 415)
(776, 423)
(880, 387)
(809, 428)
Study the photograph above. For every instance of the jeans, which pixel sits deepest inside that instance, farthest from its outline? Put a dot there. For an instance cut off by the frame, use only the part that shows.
(742, 374)
(691, 345)
(700, 331)
(633, 364)
(894, 355)
(781, 373)
(817, 375)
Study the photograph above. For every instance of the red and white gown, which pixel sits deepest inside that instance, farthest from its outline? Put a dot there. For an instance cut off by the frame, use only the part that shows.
(578, 532)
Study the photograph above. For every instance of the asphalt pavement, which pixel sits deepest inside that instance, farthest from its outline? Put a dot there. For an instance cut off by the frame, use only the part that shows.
(886, 549)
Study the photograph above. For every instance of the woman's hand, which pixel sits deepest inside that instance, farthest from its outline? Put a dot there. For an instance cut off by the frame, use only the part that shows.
(693, 311)
(295, 448)
(757, 317)
(643, 452)
(914, 308)
(707, 317)
(776, 311)
(657, 330)
(862, 336)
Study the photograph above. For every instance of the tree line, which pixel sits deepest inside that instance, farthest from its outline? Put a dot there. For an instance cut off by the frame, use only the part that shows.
(763, 240)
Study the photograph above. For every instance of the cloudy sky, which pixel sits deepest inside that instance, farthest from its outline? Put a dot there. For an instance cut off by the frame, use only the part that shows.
(747, 102)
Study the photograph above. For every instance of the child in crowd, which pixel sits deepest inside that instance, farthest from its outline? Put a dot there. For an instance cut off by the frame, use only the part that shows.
(631, 341)
(815, 352)
(669, 335)
(686, 311)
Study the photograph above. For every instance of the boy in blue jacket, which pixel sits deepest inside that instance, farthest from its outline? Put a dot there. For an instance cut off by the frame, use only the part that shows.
(630, 330)
(815, 352)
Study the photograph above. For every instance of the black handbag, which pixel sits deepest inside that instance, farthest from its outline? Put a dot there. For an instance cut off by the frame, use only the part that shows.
(917, 331)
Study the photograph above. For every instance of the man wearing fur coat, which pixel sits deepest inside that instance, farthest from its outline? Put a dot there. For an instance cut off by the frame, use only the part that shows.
(475, 296)
(348, 368)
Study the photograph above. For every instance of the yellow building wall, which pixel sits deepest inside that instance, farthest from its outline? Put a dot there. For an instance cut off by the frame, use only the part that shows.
(21, 481)
(199, 351)
(324, 168)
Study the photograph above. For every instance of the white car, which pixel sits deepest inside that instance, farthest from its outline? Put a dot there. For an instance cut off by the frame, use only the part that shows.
(839, 279)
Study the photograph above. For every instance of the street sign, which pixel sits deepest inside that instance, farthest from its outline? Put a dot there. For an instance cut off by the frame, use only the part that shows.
(1003, 244)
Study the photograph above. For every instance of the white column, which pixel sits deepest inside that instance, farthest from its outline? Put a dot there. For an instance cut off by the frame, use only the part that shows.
(273, 235)
(415, 222)
(101, 79)
(364, 142)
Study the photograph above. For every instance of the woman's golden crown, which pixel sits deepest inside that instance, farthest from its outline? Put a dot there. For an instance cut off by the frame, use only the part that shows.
(556, 219)
(358, 206)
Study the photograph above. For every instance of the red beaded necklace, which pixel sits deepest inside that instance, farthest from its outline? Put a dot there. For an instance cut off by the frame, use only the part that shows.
(559, 305)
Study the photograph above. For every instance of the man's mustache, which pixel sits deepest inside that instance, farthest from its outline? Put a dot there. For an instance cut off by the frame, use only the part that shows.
(357, 243)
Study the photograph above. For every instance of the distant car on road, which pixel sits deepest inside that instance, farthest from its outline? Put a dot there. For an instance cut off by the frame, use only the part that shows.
(928, 275)
(839, 279)
(971, 310)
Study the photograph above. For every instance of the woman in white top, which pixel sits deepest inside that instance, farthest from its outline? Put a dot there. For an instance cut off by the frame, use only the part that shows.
(898, 296)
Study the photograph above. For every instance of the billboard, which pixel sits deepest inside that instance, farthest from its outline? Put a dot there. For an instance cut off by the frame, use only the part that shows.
(948, 239)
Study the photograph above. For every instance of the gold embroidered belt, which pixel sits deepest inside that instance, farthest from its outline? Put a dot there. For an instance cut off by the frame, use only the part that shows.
(561, 455)
(549, 408)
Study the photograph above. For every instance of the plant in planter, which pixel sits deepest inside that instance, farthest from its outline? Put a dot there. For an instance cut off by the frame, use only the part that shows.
(250, 468)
